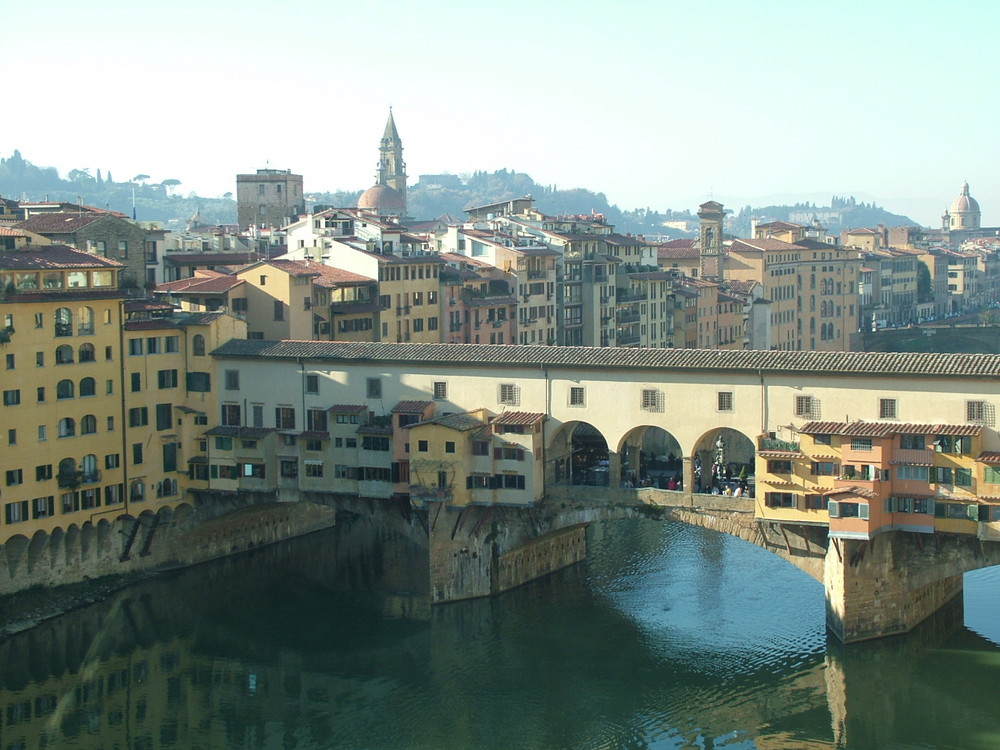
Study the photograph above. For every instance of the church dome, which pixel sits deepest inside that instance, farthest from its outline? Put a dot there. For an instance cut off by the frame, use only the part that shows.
(964, 203)
(382, 200)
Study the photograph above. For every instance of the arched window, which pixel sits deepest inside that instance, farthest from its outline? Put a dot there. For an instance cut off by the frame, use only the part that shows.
(67, 427)
(198, 345)
(137, 491)
(67, 476)
(88, 468)
(87, 353)
(64, 322)
(88, 425)
(85, 326)
(88, 387)
(64, 355)
(64, 389)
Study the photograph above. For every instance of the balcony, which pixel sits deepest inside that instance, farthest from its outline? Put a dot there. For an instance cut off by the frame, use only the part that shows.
(773, 444)
(537, 274)
(624, 295)
(431, 494)
(627, 316)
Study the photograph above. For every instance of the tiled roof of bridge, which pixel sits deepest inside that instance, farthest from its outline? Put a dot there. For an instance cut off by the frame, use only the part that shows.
(742, 361)
(882, 429)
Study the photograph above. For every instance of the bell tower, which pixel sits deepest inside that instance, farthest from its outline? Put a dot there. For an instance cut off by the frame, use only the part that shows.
(391, 167)
(711, 216)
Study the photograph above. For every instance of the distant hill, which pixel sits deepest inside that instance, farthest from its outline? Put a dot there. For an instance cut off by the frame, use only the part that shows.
(22, 180)
(431, 196)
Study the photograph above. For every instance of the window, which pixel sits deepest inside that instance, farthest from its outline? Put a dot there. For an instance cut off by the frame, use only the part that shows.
(449, 446)
(887, 408)
(88, 387)
(284, 418)
(509, 394)
(815, 502)
(963, 477)
(199, 382)
(804, 406)
(975, 411)
(39, 359)
(941, 475)
(122, 248)
(198, 345)
(138, 416)
(577, 396)
(314, 469)
(958, 445)
(861, 444)
(316, 420)
(135, 381)
(848, 510)
(64, 355)
(440, 390)
(41, 432)
(88, 425)
(240, 304)
(14, 477)
(779, 500)
(67, 427)
(43, 507)
(779, 467)
(43, 472)
(822, 439)
(232, 380)
(112, 461)
(152, 345)
(12, 397)
(422, 446)
(312, 383)
(912, 442)
(223, 443)
(170, 344)
(482, 448)
(231, 415)
(65, 389)
(279, 310)
(170, 456)
(991, 475)
(824, 468)
(10, 361)
(651, 400)
(164, 416)
(288, 468)
(375, 443)
(373, 387)
(16, 512)
(913, 473)
(167, 378)
(725, 400)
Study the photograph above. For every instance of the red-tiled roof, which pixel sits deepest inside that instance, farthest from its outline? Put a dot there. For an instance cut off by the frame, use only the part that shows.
(884, 429)
(989, 457)
(411, 407)
(51, 257)
(518, 417)
(57, 223)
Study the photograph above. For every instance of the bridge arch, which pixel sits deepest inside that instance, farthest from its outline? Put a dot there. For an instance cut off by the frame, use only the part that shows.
(722, 456)
(578, 454)
(649, 455)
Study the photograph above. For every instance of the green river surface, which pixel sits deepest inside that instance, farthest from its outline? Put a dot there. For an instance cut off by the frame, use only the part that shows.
(668, 636)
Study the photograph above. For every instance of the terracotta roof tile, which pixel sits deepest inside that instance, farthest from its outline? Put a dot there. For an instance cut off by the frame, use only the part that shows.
(851, 364)
(411, 407)
(51, 257)
(518, 417)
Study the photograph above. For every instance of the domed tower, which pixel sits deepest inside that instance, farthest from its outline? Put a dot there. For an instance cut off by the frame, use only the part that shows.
(387, 196)
(964, 212)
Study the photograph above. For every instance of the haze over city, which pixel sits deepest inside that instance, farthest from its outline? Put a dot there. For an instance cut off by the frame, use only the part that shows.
(662, 105)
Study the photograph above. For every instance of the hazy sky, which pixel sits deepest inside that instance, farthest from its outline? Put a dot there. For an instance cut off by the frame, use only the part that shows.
(655, 103)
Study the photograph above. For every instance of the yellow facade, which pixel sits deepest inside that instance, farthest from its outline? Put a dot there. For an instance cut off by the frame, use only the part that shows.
(409, 291)
(88, 388)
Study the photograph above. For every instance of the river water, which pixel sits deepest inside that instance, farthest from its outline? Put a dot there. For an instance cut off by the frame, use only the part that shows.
(668, 636)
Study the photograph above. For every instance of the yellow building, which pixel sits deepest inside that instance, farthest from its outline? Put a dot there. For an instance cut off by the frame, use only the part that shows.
(475, 459)
(104, 399)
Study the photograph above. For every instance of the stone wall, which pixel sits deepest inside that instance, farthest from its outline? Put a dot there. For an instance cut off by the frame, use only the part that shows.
(153, 541)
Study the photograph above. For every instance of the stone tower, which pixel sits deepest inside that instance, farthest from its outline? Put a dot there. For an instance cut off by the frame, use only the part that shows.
(387, 196)
(711, 216)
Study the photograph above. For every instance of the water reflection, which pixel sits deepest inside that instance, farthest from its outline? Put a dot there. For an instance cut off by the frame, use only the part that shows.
(668, 637)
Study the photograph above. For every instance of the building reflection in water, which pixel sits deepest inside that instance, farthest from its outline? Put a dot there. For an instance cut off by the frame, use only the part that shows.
(329, 641)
